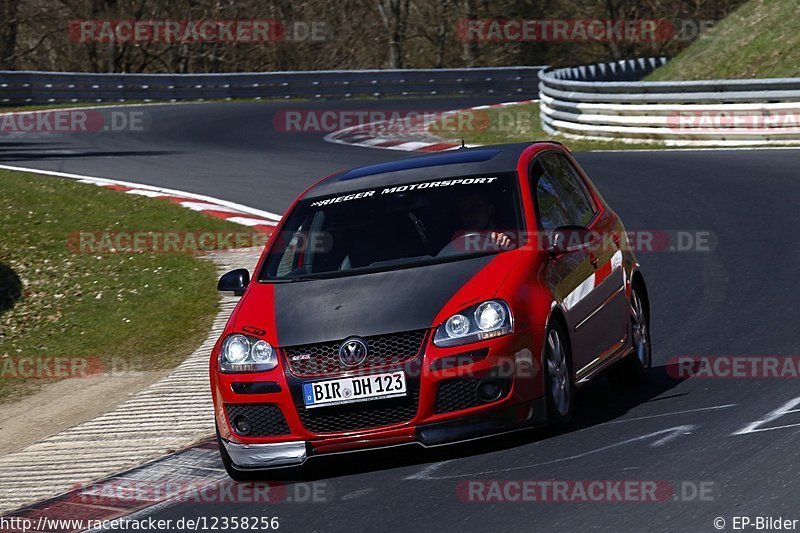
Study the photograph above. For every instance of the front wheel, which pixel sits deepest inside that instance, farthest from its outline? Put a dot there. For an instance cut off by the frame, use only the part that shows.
(558, 377)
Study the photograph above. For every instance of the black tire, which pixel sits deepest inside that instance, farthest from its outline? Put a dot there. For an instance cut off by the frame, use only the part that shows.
(633, 369)
(559, 383)
(227, 462)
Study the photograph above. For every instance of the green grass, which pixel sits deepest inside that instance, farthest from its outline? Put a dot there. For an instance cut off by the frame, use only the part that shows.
(761, 39)
(146, 310)
(520, 123)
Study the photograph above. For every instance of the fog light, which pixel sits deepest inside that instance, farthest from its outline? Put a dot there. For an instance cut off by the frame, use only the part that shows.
(489, 391)
(242, 425)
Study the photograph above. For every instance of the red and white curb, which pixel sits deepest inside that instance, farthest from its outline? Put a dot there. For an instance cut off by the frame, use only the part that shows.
(413, 135)
(172, 413)
(194, 474)
(256, 219)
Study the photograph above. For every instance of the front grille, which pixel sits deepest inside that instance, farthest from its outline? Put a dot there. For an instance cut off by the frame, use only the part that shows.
(462, 393)
(266, 420)
(384, 350)
(362, 415)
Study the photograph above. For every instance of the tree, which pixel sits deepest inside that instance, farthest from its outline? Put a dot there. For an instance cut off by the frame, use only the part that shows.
(8, 33)
(394, 14)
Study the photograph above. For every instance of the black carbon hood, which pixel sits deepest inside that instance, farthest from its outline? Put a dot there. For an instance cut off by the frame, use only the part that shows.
(369, 304)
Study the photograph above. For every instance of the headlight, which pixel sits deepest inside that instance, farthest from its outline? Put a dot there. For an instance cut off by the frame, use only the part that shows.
(242, 353)
(489, 316)
(485, 320)
(457, 326)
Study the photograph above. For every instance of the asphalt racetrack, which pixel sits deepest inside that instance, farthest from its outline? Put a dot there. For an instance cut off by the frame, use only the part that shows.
(738, 297)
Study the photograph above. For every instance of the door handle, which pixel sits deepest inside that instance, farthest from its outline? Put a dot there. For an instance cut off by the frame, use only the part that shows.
(593, 260)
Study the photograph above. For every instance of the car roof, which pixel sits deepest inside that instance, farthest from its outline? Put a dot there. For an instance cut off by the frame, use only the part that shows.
(453, 163)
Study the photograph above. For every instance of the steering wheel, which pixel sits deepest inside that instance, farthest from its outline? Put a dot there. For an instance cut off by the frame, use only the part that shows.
(472, 241)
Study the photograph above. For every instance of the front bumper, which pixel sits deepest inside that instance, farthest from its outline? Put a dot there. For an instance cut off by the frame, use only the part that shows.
(294, 453)
(254, 456)
(441, 406)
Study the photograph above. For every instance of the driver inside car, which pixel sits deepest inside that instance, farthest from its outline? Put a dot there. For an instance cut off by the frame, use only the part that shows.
(477, 214)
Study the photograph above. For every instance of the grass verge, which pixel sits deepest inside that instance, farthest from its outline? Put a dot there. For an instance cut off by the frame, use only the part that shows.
(121, 311)
(761, 39)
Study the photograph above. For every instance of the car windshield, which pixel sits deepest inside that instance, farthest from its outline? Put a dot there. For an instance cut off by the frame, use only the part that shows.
(396, 227)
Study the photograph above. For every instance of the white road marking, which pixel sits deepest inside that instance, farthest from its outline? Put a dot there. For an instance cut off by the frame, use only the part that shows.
(247, 221)
(785, 409)
(371, 141)
(143, 192)
(669, 435)
(357, 494)
(169, 192)
(425, 472)
(672, 435)
(203, 206)
(715, 407)
(409, 146)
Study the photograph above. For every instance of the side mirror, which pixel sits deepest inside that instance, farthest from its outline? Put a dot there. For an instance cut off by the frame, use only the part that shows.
(565, 239)
(235, 281)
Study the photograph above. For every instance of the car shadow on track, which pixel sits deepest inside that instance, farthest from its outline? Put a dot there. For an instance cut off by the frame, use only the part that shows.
(598, 402)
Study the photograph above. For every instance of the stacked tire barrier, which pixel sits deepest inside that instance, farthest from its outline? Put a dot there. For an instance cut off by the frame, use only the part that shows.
(608, 101)
(24, 87)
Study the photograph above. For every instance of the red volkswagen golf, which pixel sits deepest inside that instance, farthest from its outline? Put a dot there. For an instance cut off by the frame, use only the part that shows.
(426, 301)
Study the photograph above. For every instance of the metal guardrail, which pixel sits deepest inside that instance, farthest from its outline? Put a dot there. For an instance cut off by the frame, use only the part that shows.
(27, 87)
(603, 101)
(607, 101)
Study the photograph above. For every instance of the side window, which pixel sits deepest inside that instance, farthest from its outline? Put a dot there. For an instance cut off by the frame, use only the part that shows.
(295, 256)
(576, 198)
(549, 205)
(291, 257)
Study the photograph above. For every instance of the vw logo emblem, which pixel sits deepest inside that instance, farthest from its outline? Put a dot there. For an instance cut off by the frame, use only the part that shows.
(353, 351)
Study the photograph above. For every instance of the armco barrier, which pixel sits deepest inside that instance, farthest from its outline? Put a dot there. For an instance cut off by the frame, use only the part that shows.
(608, 101)
(27, 87)
(603, 101)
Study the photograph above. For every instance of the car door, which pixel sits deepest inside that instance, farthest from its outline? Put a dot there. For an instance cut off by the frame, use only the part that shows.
(601, 311)
(568, 275)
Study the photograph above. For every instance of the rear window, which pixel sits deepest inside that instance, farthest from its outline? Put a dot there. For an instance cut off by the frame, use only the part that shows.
(396, 227)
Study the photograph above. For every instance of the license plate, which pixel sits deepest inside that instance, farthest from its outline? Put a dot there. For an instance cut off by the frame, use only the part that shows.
(355, 389)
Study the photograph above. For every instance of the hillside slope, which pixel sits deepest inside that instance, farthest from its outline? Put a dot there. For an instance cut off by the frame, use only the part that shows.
(761, 39)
